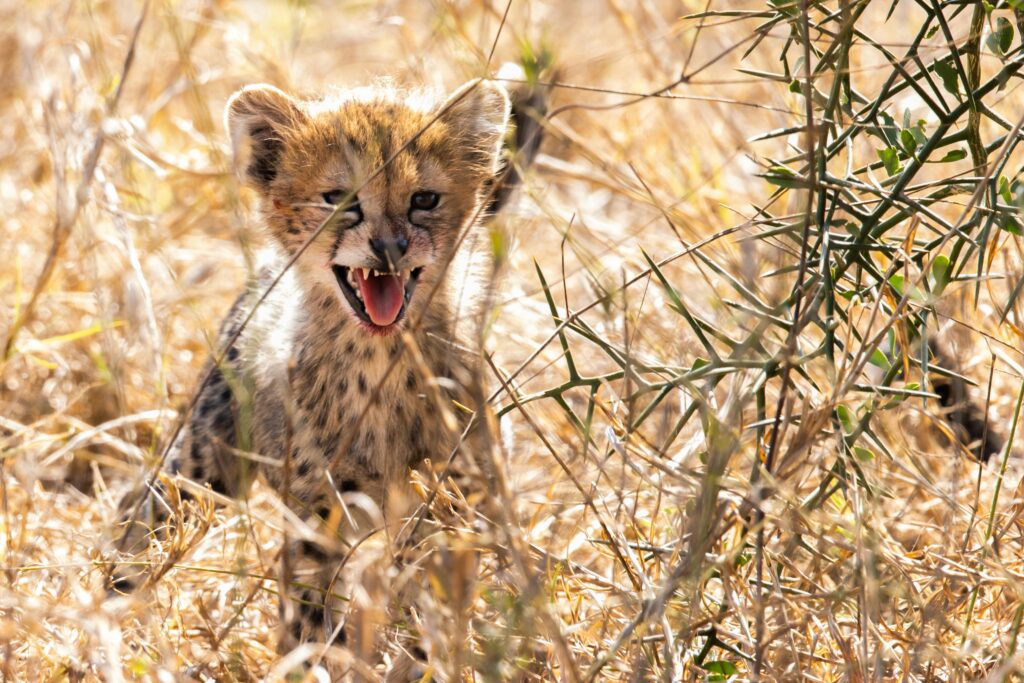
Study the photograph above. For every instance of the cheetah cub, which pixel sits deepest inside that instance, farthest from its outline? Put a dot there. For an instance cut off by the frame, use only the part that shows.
(335, 385)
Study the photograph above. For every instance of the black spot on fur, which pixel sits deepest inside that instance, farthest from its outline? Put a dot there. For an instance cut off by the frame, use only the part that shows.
(198, 473)
(224, 420)
(203, 408)
(311, 610)
(303, 468)
(321, 419)
(174, 464)
(349, 485)
(410, 380)
(369, 352)
(296, 630)
(343, 385)
(418, 456)
(362, 383)
(122, 584)
(350, 348)
(312, 550)
(266, 151)
(217, 484)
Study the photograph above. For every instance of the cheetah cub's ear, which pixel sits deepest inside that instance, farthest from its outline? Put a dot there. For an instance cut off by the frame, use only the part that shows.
(258, 117)
(477, 116)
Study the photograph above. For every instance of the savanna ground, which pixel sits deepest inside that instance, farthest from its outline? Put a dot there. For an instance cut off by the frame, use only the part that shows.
(720, 456)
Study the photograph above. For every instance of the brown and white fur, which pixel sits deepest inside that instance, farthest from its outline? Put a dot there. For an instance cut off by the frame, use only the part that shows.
(336, 390)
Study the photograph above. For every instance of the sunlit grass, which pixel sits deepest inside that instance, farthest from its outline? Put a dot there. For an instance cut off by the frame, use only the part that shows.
(656, 506)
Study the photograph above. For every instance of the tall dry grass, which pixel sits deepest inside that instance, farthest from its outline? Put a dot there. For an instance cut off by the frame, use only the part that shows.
(720, 455)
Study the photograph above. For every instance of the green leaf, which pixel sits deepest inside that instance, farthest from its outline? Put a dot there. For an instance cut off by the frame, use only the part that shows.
(932, 31)
(900, 398)
(918, 132)
(1001, 38)
(947, 72)
(783, 176)
(1008, 223)
(941, 272)
(1004, 190)
(953, 155)
(908, 141)
(897, 282)
(863, 454)
(720, 670)
(879, 360)
(889, 129)
(1017, 190)
(846, 419)
(900, 286)
(890, 159)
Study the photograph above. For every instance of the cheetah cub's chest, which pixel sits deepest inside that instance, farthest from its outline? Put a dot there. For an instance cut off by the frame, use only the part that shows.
(362, 414)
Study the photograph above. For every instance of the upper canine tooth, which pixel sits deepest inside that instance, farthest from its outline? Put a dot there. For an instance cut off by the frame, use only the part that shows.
(366, 273)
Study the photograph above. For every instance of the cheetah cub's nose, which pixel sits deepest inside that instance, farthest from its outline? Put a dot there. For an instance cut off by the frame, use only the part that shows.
(390, 250)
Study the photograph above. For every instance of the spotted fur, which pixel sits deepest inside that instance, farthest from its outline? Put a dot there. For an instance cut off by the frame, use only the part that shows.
(334, 407)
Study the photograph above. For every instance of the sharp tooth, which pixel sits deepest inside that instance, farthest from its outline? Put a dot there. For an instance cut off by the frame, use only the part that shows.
(366, 273)
(377, 273)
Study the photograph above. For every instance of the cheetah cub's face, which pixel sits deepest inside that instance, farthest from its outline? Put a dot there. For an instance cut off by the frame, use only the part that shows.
(398, 191)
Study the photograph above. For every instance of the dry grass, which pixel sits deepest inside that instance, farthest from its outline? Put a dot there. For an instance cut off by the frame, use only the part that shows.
(632, 554)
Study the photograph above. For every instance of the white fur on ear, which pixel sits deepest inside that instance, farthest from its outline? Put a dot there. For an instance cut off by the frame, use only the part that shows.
(478, 114)
(255, 117)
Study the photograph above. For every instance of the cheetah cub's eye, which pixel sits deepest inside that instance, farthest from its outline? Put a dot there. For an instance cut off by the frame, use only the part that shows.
(335, 197)
(425, 201)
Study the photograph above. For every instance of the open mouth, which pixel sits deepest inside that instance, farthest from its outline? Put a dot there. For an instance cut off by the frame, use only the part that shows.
(378, 298)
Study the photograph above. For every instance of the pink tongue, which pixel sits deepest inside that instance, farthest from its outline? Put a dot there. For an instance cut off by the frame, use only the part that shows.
(382, 296)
